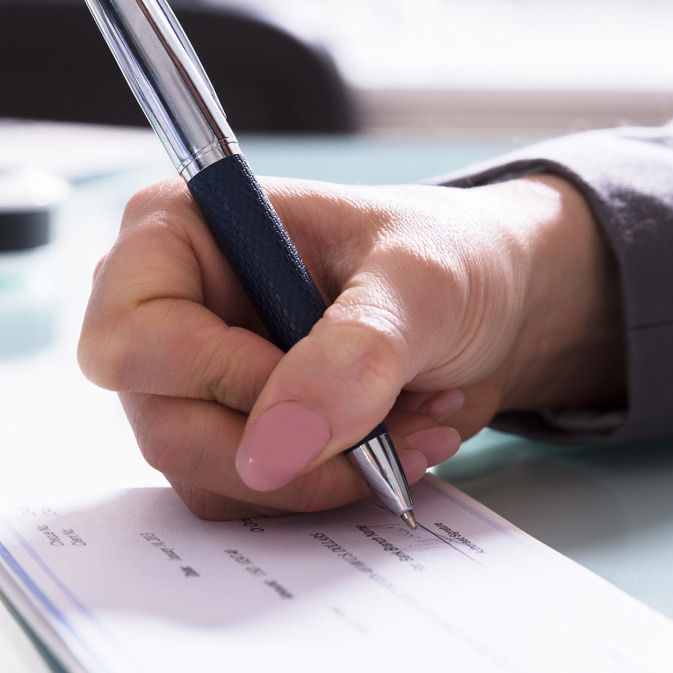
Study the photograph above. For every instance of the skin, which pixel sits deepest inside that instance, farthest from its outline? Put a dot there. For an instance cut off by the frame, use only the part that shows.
(445, 307)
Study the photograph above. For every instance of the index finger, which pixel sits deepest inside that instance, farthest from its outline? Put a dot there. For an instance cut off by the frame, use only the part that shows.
(165, 310)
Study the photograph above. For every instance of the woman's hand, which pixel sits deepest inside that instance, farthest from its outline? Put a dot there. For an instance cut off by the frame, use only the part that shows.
(445, 306)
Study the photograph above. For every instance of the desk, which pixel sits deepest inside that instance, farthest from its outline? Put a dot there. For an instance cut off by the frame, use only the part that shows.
(611, 509)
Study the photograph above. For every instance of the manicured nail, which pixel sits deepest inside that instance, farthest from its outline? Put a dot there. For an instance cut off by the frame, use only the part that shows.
(436, 444)
(280, 445)
(444, 405)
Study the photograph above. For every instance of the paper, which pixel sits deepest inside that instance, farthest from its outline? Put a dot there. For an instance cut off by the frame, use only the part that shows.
(131, 581)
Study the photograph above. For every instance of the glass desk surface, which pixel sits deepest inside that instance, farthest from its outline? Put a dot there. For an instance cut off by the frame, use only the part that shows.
(610, 509)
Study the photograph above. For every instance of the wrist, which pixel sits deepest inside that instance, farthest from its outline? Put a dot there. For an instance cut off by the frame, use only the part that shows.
(570, 348)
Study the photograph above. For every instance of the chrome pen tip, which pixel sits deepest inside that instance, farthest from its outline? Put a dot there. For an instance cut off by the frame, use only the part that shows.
(409, 518)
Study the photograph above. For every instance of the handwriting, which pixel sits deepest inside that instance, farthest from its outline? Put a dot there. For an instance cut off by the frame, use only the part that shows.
(389, 547)
(456, 536)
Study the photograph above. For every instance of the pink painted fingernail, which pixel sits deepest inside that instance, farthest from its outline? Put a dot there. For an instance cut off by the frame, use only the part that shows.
(436, 444)
(280, 445)
(444, 405)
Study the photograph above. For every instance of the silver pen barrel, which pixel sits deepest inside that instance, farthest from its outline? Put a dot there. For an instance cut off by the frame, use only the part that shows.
(168, 80)
(175, 93)
(377, 459)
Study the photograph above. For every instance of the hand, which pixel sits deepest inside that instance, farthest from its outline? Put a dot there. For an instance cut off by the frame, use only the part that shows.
(506, 292)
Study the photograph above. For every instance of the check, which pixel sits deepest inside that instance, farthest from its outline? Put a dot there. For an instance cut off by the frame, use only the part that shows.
(126, 581)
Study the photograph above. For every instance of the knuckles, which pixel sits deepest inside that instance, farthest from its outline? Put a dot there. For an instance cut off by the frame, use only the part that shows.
(100, 354)
(371, 353)
(166, 196)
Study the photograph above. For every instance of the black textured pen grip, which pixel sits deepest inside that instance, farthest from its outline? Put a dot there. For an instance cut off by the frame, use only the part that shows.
(255, 243)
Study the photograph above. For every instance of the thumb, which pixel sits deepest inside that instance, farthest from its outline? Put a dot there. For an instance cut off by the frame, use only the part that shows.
(327, 393)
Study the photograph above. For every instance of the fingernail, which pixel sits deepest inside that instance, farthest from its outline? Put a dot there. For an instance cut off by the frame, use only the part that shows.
(280, 445)
(444, 405)
(436, 444)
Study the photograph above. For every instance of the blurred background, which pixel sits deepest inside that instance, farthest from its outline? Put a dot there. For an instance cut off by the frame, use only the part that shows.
(523, 68)
(369, 91)
(354, 91)
(494, 66)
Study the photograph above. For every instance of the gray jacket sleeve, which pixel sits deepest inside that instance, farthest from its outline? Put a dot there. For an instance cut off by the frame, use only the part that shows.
(626, 175)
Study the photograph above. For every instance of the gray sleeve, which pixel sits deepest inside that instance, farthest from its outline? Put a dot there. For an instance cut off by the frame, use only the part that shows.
(626, 175)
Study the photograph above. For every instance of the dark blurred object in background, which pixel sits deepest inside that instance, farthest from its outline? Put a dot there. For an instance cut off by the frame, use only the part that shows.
(55, 65)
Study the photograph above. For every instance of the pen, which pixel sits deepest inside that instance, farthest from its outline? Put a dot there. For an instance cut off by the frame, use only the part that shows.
(177, 97)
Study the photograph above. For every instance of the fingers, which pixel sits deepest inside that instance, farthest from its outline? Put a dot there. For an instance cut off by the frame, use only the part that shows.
(439, 406)
(324, 396)
(193, 443)
(155, 329)
(214, 506)
(332, 388)
(169, 327)
(156, 319)
(335, 385)
(421, 433)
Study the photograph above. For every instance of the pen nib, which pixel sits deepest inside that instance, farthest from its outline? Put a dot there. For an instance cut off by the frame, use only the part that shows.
(409, 519)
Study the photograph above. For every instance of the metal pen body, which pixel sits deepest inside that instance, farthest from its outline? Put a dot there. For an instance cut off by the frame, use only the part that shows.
(167, 78)
(171, 86)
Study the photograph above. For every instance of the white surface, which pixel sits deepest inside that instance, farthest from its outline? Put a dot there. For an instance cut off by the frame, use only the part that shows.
(76, 151)
(515, 65)
(128, 581)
